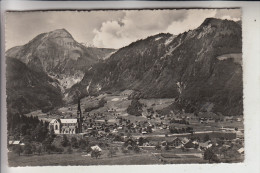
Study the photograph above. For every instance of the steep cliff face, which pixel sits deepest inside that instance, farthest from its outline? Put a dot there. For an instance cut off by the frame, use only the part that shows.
(59, 55)
(39, 72)
(29, 90)
(198, 67)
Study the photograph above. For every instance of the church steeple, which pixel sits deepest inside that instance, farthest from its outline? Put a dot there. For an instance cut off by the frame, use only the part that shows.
(79, 109)
(79, 117)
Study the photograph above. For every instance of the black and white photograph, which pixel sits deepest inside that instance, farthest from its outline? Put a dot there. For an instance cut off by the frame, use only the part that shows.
(124, 87)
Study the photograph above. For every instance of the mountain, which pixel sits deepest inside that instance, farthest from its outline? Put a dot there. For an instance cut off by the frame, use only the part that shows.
(59, 55)
(29, 90)
(200, 67)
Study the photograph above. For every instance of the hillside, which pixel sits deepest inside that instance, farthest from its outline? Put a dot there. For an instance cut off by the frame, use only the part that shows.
(29, 90)
(187, 67)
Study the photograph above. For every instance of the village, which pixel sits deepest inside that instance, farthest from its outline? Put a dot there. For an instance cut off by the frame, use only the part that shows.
(100, 127)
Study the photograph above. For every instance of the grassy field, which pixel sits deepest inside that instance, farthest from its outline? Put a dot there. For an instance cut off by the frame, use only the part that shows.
(80, 159)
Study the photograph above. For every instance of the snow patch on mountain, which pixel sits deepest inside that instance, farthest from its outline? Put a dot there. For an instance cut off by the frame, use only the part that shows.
(169, 52)
(169, 40)
(158, 38)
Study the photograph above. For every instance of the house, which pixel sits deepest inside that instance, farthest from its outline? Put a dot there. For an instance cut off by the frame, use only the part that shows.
(176, 142)
(185, 140)
(205, 145)
(241, 150)
(96, 147)
(15, 143)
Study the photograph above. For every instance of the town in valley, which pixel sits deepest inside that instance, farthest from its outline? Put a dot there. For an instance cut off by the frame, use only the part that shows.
(162, 99)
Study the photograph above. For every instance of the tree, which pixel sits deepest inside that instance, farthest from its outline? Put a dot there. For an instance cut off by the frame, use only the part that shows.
(18, 149)
(223, 151)
(95, 153)
(141, 141)
(83, 144)
(39, 150)
(65, 141)
(210, 156)
(69, 150)
(74, 142)
(158, 146)
(27, 139)
(206, 138)
(135, 108)
(167, 147)
(136, 149)
(111, 152)
(124, 150)
(27, 149)
(33, 148)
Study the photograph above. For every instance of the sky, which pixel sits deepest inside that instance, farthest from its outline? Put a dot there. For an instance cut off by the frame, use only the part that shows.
(108, 29)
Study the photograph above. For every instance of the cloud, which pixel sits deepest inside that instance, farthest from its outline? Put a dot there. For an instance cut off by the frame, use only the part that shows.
(193, 20)
(135, 25)
(141, 24)
(230, 14)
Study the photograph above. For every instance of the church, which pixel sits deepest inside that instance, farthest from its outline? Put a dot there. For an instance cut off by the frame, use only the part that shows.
(67, 126)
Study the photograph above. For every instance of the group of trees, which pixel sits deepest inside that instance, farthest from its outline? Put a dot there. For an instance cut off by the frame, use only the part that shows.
(130, 145)
(32, 132)
(180, 130)
(100, 104)
(27, 128)
(182, 121)
(210, 156)
(112, 151)
(75, 143)
(27, 149)
(135, 108)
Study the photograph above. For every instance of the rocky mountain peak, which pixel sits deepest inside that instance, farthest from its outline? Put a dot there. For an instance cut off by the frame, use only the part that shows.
(60, 33)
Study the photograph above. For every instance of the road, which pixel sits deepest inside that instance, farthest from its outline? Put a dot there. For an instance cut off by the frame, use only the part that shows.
(169, 135)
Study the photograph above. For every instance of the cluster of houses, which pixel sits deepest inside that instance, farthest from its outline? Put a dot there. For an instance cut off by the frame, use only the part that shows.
(185, 143)
(122, 126)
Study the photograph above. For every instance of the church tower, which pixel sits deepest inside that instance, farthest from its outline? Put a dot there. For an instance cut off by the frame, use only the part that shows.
(79, 117)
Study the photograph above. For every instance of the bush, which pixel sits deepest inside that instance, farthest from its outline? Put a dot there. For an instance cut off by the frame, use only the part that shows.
(39, 150)
(124, 150)
(211, 156)
(158, 146)
(65, 141)
(111, 152)
(27, 149)
(136, 149)
(74, 142)
(83, 144)
(58, 150)
(95, 153)
(69, 150)
(167, 147)
(18, 149)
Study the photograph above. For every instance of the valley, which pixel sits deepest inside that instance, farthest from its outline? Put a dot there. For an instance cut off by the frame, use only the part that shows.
(163, 99)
